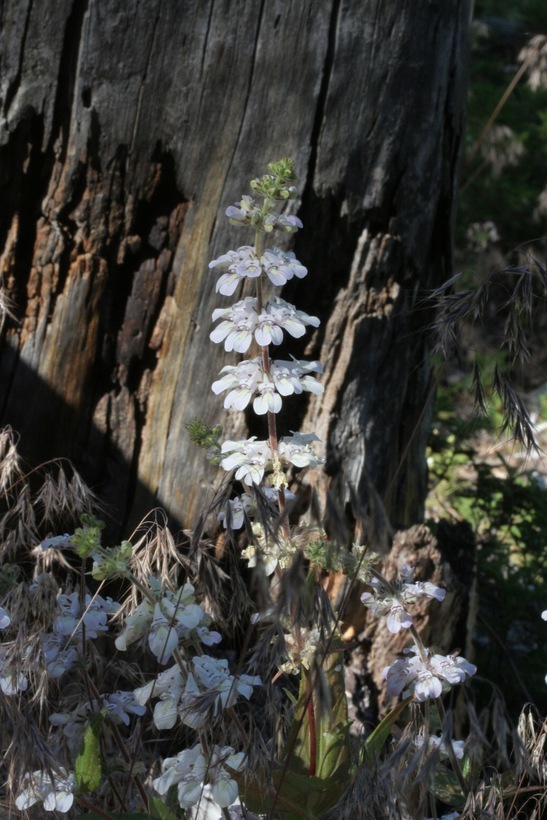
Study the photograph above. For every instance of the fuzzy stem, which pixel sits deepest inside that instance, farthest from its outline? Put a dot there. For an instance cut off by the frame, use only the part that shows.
(266, 366)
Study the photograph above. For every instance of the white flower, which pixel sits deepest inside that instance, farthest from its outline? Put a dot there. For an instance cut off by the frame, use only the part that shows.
(250, 459)
(245, 213)
(297, 449)
(122, 704)
(268, 400)
(398, 618)
(136, 625)
(452, 668)
(427, 685)
(414, 589)
(62, 662)
(56, 794)
(11, 683)
(280, 266)
(208, 636)
(236, 509)
(168, 687)
(281, 222)
(238, 325)
(439, 744)
(5, 618)
(163, 638)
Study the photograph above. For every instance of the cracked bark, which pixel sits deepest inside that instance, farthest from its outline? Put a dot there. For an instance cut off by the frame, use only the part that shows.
(126, 131)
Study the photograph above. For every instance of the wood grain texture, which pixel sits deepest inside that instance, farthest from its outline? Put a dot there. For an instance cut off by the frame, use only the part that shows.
(127, 129)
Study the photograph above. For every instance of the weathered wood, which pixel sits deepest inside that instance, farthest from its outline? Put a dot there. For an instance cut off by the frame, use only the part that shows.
(125, 131)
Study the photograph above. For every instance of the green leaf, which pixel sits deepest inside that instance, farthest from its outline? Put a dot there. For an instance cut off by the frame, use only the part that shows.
(377, 739)
(158, 810)
(88, 762)
(300, 794)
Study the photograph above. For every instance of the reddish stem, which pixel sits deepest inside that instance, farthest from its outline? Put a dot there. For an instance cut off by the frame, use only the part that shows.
(311, 719)
(266, 366)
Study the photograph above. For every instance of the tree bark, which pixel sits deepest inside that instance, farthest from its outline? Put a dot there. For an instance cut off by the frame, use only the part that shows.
(126, 130)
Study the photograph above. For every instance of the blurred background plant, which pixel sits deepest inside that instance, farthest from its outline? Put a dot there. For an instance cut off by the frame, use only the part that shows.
(495, 490)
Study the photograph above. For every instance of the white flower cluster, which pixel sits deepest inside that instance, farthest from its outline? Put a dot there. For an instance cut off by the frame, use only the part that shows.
(61, 646)
(279, 266)
(190, 771)
(248, 378)
(424, 675)
(247, 212)
(193, 692)
(251, 458)
(56, 793)
(421, 673)
(259, 380)
(172, 618)
(406, 591)
(196, 695)
(242, 322)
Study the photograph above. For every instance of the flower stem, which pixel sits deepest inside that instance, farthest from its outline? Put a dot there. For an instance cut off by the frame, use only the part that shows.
(266, 367)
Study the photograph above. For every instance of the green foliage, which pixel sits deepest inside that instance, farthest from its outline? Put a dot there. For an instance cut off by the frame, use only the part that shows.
(87, 538)
(206, 437)
(88, 767)
(376, 741)
(507, 510)
(505, 193)
(113, 563)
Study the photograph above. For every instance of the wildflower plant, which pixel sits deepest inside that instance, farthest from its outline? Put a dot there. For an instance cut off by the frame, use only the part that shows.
(97, 682)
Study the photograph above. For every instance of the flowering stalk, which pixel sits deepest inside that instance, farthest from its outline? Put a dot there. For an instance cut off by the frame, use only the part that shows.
(263, 380)
(422, 674)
